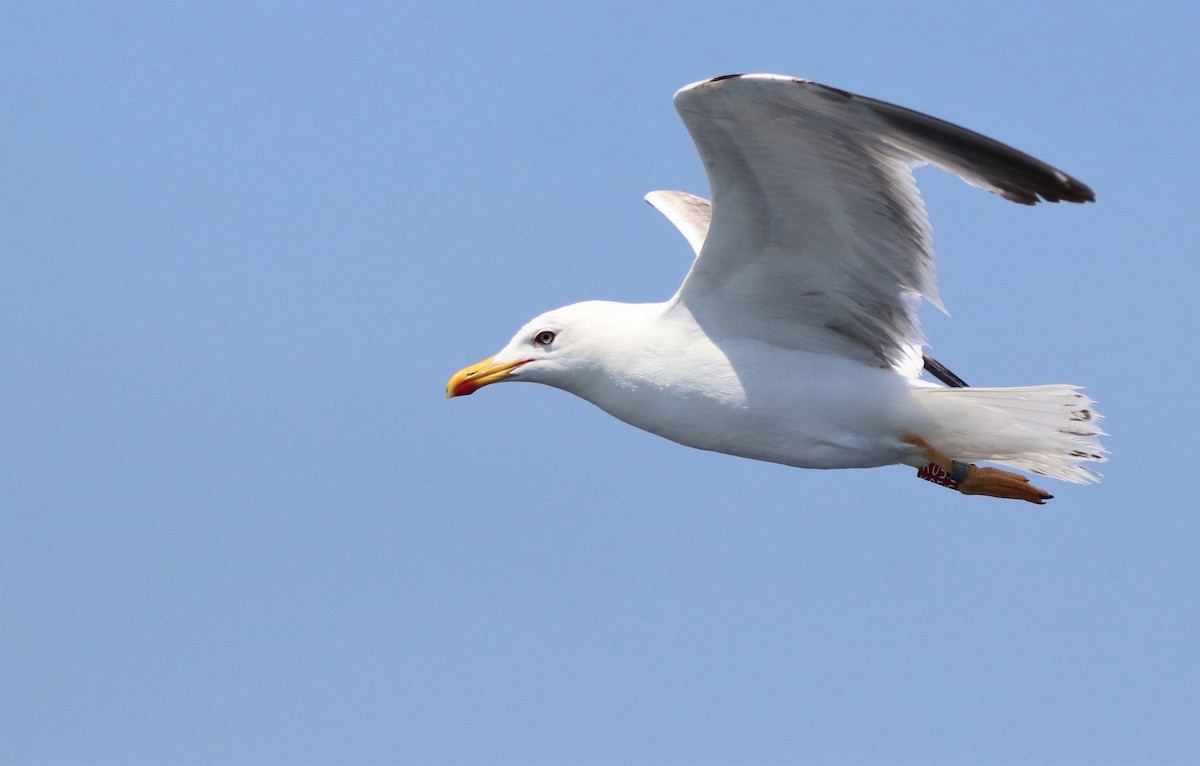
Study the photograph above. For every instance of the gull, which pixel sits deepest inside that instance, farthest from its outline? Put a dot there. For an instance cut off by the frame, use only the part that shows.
(794, 338)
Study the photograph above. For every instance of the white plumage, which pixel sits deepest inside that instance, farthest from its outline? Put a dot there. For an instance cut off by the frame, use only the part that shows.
(794, 337)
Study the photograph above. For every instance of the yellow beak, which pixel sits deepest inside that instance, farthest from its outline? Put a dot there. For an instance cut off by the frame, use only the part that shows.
(470, 379)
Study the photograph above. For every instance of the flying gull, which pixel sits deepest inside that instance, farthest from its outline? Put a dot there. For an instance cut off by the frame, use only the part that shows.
(794, 337)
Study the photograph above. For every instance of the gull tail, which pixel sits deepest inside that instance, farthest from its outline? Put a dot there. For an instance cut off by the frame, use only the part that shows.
(1048, 430)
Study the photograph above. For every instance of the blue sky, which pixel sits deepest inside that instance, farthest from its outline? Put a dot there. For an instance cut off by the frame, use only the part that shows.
(245, 245)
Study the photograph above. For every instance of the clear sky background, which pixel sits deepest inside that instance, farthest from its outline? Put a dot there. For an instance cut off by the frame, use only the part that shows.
(244, 245)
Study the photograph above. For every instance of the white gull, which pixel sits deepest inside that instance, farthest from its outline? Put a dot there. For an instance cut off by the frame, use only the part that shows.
(794, 338)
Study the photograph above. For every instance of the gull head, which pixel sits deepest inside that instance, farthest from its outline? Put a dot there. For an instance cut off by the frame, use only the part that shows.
(563, 348)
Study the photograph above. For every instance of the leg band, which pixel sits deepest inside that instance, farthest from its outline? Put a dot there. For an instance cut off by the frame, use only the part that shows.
(959, 474)
(935, 473)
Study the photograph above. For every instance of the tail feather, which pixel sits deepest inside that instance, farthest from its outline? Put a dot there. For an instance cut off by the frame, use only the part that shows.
(1048, 430)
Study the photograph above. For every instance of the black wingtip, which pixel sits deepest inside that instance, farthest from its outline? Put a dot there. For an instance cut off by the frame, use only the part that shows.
(1013, 174)
(942, 373)
(1064, 188)
(1080, 192)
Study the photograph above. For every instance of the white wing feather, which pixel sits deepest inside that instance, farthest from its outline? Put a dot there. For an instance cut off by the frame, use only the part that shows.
(690, 214)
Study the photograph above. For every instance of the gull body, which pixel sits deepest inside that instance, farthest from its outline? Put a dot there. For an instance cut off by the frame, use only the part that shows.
(653, 366)
(794, 338)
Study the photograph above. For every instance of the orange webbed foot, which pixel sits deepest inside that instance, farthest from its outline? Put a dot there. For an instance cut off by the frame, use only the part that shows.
(992, 482)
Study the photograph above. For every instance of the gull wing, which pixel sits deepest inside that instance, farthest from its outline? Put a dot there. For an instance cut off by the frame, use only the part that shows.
(819, 239)
(690, 214)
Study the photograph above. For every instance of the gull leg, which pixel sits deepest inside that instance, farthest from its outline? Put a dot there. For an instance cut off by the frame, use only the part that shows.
(992, 482)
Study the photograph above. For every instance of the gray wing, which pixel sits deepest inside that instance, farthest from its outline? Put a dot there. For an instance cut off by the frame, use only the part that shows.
(819, 239)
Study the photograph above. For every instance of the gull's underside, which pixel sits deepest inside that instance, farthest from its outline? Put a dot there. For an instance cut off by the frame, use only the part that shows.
(794, 337)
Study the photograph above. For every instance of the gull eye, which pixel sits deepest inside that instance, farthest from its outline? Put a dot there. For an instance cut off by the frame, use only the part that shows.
(544, 338)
